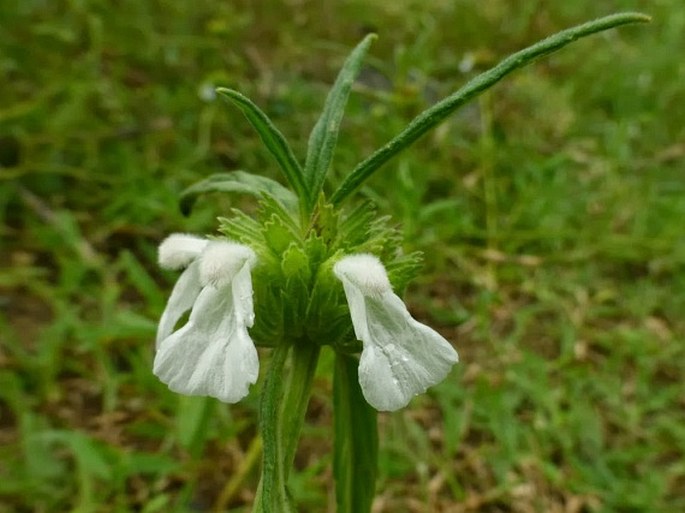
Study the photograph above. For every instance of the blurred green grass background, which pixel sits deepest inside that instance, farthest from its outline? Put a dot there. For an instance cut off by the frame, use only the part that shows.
(550, 210)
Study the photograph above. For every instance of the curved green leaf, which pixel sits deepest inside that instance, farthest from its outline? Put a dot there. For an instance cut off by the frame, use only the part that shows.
(273, 140)
(438, 112)
(324, 136)
(240, 182)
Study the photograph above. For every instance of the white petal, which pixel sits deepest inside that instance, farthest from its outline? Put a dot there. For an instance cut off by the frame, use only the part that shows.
(401, 357)
(242, 294)
(365, 272)
(222, 260)
(182, 297)
(212, 354)
(179, 250)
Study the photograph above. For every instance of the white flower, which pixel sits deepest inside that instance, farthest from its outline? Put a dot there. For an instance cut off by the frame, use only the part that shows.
(212, 354)
(401, 357)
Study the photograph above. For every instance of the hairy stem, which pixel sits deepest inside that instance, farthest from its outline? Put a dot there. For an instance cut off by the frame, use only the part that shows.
(282, 409)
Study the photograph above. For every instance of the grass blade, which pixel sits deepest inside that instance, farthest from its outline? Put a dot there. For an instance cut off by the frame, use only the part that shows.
(438, 112)
(273, 139)
(324, 136)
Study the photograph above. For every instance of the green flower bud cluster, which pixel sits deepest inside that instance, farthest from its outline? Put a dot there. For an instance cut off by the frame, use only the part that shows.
(296, 295)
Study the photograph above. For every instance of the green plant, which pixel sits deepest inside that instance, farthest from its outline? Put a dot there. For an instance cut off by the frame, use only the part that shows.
(321, 277)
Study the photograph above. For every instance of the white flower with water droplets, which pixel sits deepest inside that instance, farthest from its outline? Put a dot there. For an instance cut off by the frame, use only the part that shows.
(212, 354)
(401, 357)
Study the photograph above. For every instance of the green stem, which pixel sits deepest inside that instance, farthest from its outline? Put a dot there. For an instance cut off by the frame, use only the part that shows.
(298, 388)
(273, 497)
(438, 112)
(355, 456)
(282, 409)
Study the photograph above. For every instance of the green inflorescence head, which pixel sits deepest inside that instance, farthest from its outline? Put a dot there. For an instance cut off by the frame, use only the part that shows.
(296, 295)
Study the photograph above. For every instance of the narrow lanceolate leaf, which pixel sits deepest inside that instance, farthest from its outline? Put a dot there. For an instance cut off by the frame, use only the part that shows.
(438, 112)
(273, 139)
(356, 440)
(238, 182)
(324, 136)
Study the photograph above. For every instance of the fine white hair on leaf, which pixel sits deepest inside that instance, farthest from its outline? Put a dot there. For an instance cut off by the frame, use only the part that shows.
(179, 250)
(365, 271)
(222, 260)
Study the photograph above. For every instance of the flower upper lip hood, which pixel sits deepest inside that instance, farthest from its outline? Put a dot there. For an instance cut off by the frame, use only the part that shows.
(179, 250)
(212, 354)
(401, 357)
